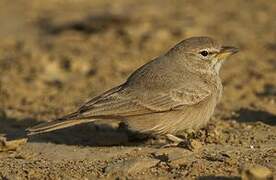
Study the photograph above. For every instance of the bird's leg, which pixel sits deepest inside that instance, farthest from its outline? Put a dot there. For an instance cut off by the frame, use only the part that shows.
(178, 142)
(173, 138)
(175, 141)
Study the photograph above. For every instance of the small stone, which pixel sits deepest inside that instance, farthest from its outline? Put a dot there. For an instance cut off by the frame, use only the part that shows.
(174, 156)
(196, 145)
(132, 166)
(192, 145)
(220, 157)
(256, 173)
(11, 145)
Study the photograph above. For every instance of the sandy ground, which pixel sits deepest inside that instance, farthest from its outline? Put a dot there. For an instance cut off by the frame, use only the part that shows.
(54, 54)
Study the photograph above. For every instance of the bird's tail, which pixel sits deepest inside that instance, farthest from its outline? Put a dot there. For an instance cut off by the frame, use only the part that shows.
(61, 123)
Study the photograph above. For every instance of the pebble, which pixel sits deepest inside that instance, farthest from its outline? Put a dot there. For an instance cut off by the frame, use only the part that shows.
(131, 166)
(174, 156)
(192, 145)
(12, 145)
(256, 173)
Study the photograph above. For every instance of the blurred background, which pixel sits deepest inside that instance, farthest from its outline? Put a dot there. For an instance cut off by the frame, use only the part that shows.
(55, 54)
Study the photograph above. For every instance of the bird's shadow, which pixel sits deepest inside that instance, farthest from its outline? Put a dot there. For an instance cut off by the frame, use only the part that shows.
(14, 128)
(84, 135)
(90, 135)
(245, 115)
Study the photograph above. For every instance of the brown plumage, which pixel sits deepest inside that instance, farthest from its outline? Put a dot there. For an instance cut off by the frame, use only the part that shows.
(176, 91)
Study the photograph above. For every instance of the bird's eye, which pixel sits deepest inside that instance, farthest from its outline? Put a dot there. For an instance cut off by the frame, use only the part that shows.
(204, 53)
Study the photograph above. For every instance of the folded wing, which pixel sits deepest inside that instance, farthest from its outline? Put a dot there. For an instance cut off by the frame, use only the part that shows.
(121, 103)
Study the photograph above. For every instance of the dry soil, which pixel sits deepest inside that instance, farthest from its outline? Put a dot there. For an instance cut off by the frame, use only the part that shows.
(55, 54)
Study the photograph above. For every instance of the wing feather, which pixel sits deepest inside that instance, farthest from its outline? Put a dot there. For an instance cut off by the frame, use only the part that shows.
(118, 103)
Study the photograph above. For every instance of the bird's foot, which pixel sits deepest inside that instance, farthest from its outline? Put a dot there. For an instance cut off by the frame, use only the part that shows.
(183, 143)
(175, 141)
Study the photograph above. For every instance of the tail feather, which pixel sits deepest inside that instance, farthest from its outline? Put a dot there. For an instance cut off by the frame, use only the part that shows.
(55, 125)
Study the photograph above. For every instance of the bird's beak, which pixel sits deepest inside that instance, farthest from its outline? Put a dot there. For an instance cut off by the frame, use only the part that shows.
(226, 51)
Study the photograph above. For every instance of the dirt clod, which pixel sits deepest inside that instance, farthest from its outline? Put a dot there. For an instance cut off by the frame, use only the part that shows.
(257, 173)
(12, 145)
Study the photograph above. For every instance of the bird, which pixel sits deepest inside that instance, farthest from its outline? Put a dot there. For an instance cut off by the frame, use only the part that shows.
(177, 91)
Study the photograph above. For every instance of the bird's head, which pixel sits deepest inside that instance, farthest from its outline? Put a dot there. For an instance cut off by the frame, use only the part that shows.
(204, 52)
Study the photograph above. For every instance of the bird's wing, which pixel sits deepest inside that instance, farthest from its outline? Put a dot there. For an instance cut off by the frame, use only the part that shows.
(117, 103)
(174, 98)
(112, 103)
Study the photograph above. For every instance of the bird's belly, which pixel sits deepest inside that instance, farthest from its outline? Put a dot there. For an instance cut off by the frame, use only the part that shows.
(188, 117)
